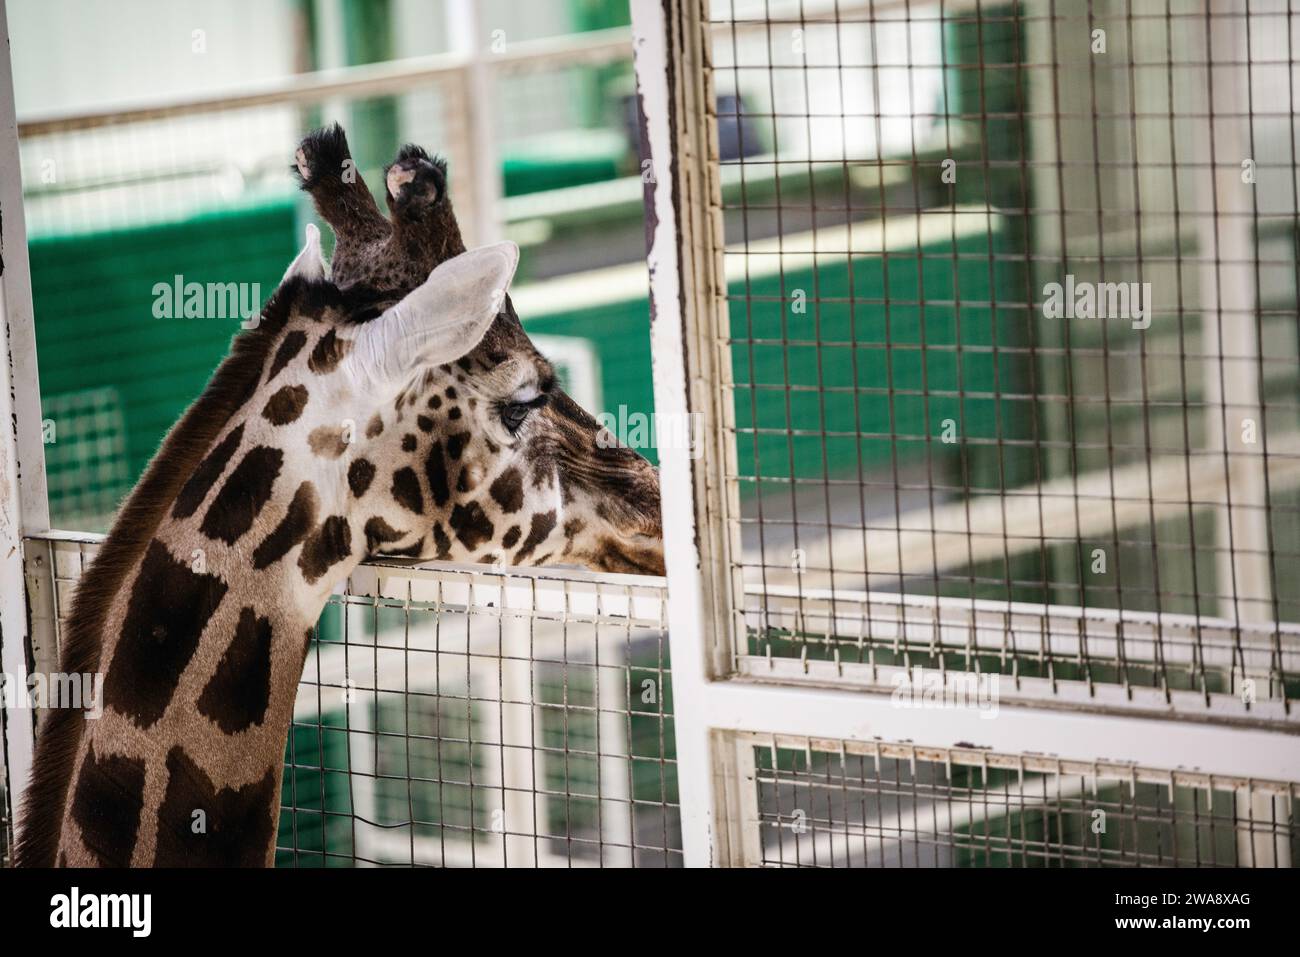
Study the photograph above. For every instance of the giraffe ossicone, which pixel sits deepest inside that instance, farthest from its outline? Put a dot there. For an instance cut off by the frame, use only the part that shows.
(309, 264)
(389, 403)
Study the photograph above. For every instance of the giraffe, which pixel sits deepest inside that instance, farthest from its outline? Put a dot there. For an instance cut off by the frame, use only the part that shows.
(390, 404)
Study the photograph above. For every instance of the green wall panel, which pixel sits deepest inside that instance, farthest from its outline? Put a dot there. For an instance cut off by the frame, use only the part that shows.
(93, 296)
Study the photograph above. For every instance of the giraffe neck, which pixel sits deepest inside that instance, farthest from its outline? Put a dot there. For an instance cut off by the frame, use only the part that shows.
(196, 612)
(204, 645)
(200, 762)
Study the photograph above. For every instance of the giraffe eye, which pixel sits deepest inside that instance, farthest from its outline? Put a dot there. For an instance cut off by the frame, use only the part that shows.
(513, 415)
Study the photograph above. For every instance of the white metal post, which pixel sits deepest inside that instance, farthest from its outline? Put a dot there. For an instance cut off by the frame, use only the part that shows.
(477, 88)
(23, 507)
(1233, 409)
(1227, 252)
(522, 808)
(666, 49)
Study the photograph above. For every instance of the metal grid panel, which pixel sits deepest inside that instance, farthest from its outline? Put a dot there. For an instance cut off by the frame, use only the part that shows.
(454, 716)
(821, 804)
(1094, 657)
(115, 171)
(901, 186)
(167, 158)
(85, 455)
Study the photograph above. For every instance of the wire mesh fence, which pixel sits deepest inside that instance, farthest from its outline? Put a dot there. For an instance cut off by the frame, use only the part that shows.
(457, 716)
(819, 805)
(1011, 291)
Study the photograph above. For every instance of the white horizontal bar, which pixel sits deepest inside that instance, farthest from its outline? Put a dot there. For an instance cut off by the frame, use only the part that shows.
(1097, 770)
(396, 568)
(770, 709)
(1099, 697)
(846, 617)
(372, 79)
(396, 76)
(459, 848)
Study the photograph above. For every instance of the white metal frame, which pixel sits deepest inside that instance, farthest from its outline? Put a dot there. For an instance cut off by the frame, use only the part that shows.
(23, 502)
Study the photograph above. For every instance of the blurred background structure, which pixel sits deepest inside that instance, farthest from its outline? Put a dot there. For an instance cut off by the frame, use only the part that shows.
(897, 184)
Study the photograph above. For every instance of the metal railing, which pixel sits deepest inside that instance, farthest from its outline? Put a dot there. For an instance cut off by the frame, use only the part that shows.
(455, 715)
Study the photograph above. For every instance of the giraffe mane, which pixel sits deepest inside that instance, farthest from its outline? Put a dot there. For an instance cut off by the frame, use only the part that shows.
(230, 388)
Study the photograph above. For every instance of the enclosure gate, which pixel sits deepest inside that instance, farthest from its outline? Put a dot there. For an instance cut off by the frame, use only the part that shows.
(942, 680)
(820, 724)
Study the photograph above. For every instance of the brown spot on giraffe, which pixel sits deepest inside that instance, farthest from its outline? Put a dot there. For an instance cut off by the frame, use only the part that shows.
(325, 548)
(406, 490)
(328, 353)
(456, 443)
(293, 528)
(286, 405)
(238, 823)
(441, 542)
(169, 608)
(508, 491)
(542, 526)
(106, 806)
(205, 476)
(471, 524)
(360, 474)
(328, 441)
(435, 470)
(379, 532)
(239, 692)
(293, 342)
(247, 490)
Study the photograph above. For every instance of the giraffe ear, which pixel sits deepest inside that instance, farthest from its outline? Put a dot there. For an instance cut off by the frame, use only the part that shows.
(309, 263)
(440, 321)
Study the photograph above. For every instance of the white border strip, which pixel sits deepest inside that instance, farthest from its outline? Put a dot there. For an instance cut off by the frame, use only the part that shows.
(22, 458)
(668, 327)
(1205, 747)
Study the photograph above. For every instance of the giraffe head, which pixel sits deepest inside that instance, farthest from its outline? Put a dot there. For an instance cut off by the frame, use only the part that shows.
(439, 427)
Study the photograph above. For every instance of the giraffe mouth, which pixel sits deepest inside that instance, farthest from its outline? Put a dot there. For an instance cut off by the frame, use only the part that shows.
(643, 555)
